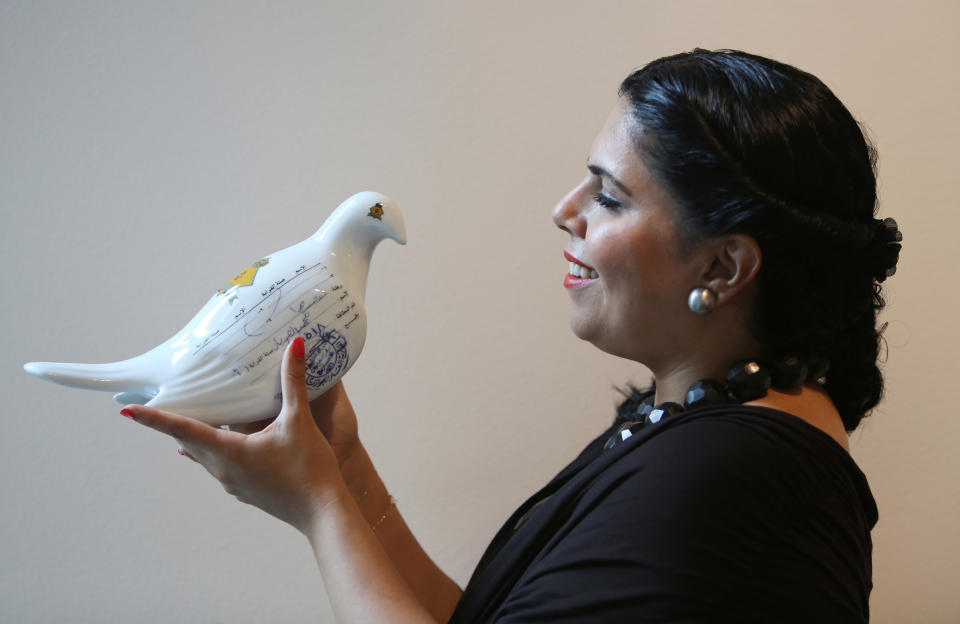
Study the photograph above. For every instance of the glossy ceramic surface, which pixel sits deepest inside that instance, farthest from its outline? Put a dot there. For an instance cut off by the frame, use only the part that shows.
(224, 365)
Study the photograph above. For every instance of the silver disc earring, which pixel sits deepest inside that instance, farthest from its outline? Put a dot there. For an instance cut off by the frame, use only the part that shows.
(702, 300)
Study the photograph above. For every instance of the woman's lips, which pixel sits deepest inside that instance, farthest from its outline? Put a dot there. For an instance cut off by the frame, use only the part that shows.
(570, 282)
(580, 274)
(575, 260)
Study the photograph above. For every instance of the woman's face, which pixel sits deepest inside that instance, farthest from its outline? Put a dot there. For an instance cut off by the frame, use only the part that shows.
(629, 275)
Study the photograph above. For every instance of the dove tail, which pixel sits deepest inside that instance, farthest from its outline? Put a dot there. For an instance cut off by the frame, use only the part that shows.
(115, 376)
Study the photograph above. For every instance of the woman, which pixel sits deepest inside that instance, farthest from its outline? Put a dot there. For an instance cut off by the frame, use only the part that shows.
(725, 238)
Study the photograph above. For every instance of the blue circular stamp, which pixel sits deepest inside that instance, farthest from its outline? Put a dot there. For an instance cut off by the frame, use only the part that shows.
(327, 358)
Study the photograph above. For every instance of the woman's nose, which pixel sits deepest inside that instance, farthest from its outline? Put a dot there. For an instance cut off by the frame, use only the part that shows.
(567, 213)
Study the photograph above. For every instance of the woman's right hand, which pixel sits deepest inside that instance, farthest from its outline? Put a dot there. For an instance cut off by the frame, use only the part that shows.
(334, 417)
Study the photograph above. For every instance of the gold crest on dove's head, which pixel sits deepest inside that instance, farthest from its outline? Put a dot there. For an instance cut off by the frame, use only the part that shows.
(244, 277)
(376, 211)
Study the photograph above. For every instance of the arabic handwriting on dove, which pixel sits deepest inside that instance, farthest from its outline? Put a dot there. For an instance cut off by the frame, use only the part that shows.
(283, 292)
(256, 325)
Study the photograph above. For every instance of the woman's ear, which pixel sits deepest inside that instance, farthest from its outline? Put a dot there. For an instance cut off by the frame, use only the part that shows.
(735, 263)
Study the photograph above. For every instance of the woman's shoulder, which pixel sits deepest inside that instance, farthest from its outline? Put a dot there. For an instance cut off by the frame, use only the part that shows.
(744, 454)
(692, 515)
(732, 432)
(739, 432)
(811, 404)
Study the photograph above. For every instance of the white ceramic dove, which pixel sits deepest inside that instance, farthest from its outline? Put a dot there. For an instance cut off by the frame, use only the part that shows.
(223, 367)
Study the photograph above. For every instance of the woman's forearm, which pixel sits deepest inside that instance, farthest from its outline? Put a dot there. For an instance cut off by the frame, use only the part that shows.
(432, 587)
(361, 582)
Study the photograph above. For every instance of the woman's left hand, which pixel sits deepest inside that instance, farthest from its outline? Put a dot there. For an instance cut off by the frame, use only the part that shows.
(287, 469)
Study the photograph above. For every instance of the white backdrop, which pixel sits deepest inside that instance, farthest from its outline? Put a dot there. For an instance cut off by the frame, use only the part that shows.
(149, 149)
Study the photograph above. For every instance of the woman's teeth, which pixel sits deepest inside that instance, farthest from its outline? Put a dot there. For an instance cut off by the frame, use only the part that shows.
(578, 270)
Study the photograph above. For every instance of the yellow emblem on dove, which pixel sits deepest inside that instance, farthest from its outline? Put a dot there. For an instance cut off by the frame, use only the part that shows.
(244, 277)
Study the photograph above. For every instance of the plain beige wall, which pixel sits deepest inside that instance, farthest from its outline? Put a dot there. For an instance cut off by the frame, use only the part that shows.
(150, 148)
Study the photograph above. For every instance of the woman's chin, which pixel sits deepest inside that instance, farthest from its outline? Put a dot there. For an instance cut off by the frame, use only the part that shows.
(583, 328)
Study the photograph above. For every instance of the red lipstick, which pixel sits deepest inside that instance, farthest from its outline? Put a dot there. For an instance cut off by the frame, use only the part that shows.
(575, 260)
(571, 281)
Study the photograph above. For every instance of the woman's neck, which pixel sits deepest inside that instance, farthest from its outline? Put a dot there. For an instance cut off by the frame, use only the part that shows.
(811, 403)
(674, 381)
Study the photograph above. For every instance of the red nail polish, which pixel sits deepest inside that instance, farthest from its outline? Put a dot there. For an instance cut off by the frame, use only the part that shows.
(298, 347)
(182, 452)
(128, 414)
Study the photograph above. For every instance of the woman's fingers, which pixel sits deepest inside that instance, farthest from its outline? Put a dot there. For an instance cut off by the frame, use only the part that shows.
(187, 431)
(252, 427)
(328, 400)
(293, 380)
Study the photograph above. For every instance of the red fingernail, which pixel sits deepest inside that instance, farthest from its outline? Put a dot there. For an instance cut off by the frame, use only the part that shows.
(128, 414)
(298, 347)
(182, 452)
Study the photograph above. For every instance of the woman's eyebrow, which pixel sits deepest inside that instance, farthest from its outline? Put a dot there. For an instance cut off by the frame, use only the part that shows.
(603, 173)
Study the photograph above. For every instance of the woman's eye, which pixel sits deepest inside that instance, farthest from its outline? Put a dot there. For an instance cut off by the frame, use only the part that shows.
(606, 201)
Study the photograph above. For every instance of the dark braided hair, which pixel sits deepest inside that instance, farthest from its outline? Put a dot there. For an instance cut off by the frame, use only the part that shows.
(745, 144)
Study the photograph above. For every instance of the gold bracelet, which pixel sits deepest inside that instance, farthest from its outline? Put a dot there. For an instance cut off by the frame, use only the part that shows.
(386, 514)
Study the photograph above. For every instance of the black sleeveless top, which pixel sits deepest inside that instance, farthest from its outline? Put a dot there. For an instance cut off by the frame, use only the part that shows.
(726, 513)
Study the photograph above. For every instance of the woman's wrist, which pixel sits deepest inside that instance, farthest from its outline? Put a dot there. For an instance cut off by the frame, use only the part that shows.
(364, 485)
(356, 464)
(331, 499)
(336, 506)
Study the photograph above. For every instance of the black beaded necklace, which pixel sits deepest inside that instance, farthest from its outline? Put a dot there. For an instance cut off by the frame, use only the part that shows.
(747, 380)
